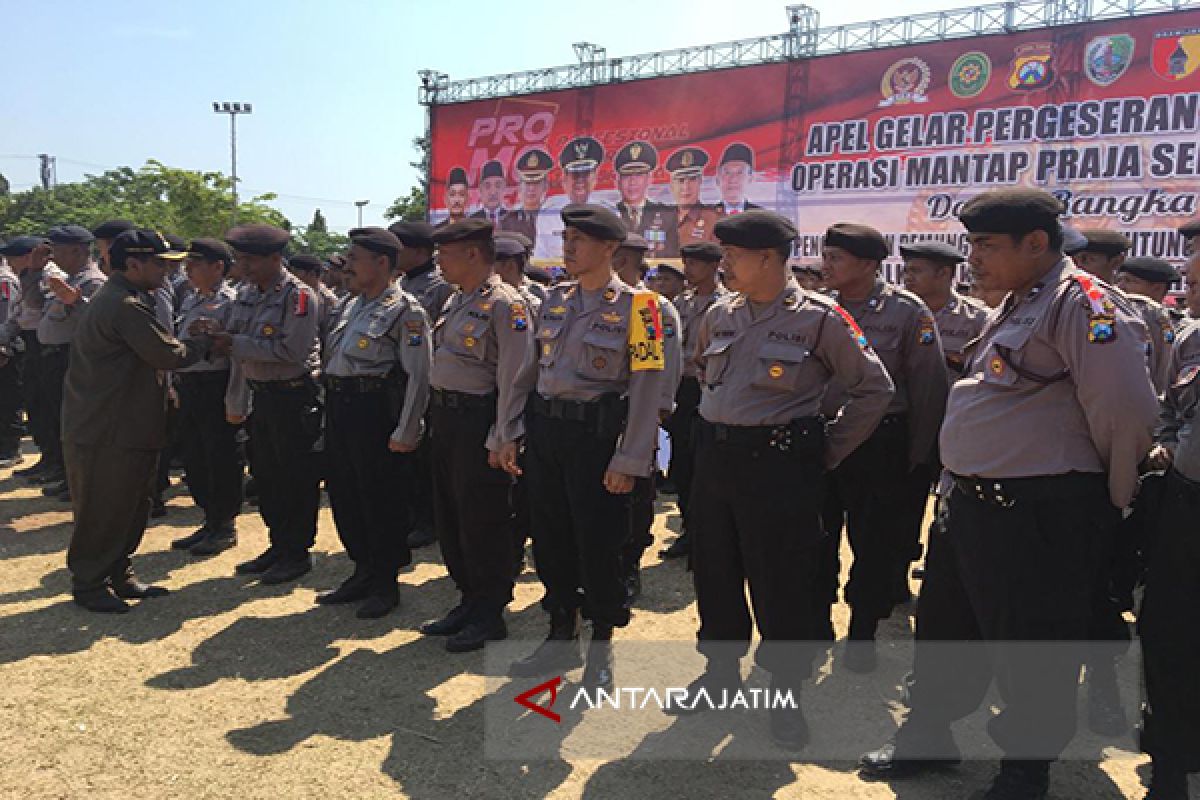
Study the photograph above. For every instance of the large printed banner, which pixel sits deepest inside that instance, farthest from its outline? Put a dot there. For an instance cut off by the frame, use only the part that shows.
(1104, 114)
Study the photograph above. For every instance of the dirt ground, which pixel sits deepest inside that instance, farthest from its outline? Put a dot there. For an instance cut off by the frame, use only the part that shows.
(230, 689)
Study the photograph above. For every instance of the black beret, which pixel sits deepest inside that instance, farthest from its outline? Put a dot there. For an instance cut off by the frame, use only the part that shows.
(738, 152)
(457, 175)
(671, 268)
(110, 229)
(635, 241)
(1191, 229)
(938, 252)
(492, 169)
(581, 154)
(22, 245)
(756, 229)
(416, 233)
(70, 234)
(533, 165)
(377, 240)
(811, 269)
(305, 263)
(687, 161)
(336, 261)
(1109, 243)
(538, 275)
(508, 247)
(518, 237)
(702, 251)
(635, 158)
(465, 230)
(858, 240)
(1150, 269)
(1016, 211)
(259, 240)
(596, 221)
(210, 249)
(143, 242)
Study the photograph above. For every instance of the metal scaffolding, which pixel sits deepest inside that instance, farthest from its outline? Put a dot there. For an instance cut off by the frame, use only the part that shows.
(804, 39)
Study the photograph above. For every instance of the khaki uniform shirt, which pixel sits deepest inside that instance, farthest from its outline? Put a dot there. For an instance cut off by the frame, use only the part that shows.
(958, 322)
(1177, 421)
(1162, 337)
(274, 337)
(429, 287)
(10, 293)
(481, 344)
(217, 305)
(769, 366)
(375, 338)
(692, 308)
(1047, 390)
(58, 321)
(583, 353)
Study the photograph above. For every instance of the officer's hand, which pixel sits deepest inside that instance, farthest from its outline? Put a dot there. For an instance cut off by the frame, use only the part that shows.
(506, 459)
(64, 293)
(400, 447)
(222, 343)
(173, 396)
(235, 419)
(204, 325)
(663, 416)
(618, 483)
(1160, 458)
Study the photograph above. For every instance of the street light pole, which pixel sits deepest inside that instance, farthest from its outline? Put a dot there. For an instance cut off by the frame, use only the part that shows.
(360, 204)
(233, 109)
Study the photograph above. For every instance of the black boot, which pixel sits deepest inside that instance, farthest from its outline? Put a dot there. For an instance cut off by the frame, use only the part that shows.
(680, 548)
(633, 586)
(130, 588)
(219, 539)
(32, 470)
(101, 601)
(258, 565)
(1105, 714)
(381, 602)
(859, 655)
(355, 588)
(1167, 782)
(486, 624)
(454, 620)
(721, 677)
(789, 728)
(1019, 780)
(287, 569)
(421, 535)
(560, 651)
(598, 672)
(192, 539)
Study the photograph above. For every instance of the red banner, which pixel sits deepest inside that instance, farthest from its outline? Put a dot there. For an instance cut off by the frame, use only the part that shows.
(1103, 114)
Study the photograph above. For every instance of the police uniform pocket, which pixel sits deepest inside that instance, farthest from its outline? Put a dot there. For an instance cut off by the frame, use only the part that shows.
(602, 356)
(549, 340)
(1003, 356)
(778, 366)
(716, 359)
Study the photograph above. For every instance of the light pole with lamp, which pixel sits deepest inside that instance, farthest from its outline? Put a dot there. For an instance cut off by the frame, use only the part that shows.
(360, 204)
(233, 109)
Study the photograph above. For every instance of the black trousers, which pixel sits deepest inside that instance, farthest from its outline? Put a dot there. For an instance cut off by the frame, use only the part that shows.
(1167, 624)
(10, 406)
(471, 508)
(579, 527)
(641, 520)
(209, 446)
(418, 470)
(1007, 596)
(285, 425)
(32, 389)
(110, 495)
(364, 484)
(52, 371)
(756, 520)
(681, 425)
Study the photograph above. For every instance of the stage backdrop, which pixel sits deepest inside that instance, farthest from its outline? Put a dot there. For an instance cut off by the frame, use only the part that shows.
(1104, 114)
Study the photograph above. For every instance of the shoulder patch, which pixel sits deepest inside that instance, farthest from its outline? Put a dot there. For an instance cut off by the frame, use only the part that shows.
(1102, 322)
(852, 325)
(926, 330)
(645, 334)
(518, 316)
(302, 304)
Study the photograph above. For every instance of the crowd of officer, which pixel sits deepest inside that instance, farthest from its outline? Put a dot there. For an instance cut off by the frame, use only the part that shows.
(438, 390)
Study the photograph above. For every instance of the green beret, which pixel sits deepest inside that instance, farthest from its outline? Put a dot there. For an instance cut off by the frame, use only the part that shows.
(1013, 211)
(596, 221)
(377, 240)
(862, 241)
(465, 230)
(756, 229)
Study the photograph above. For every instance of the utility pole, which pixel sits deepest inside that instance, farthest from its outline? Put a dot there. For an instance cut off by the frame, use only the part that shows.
(360, 204)
(48, 170)
(233, 109)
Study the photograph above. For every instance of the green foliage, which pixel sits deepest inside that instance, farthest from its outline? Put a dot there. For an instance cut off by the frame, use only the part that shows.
(167, 199)
(409, 208)
(318, 223)
(318, 240)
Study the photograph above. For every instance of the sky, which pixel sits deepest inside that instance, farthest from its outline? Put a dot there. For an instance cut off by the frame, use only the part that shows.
(333, 84)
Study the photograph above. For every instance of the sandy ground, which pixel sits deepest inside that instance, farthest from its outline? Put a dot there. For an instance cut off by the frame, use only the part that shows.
(230, 689)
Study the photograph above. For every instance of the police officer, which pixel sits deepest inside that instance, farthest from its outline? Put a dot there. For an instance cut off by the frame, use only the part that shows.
(377, 377)
(591, 427)
(482, 343)
(668, 280)
(700, 263)
(10, 377)
(308, 268)
(208, 443)
(272, 344)
(892, 471)
(694, 220)
(421, 278)
(511, 258)
(66, 296)
(1041, 444)
(808, 276)
(656, 222)
(105, 232)
(27, 255)
(531, 169)
(929, 271)
(1149, 277)
(1170, 644)
(765, 358)
(114, 420)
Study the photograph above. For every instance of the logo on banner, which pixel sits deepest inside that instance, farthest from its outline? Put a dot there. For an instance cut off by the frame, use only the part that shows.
(905, 82)
(1032, 67)
(1176, 54)
(1106, 58)
(970, 74)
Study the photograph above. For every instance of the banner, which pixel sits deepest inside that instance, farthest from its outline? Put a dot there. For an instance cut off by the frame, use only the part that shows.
(1103, 114)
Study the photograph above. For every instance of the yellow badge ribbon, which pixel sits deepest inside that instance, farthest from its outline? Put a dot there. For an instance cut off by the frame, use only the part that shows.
(645, 334)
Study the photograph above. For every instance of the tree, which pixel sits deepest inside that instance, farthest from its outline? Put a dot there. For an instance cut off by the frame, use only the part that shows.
(4, 186)
(318, 223)
(179, 201)
(317, 239)
(408, 208)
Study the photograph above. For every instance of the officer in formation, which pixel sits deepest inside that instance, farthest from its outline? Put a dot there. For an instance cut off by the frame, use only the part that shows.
(27, 255)
(700, 263)
(596, 390)
(1041, 444)
(929, 272)
(272, 343)
(208, 442)
(105, 233)
(309, 268)
(512, 263)
(114, 420)
(765, 359)
(1153, 278)
(482, 343)
(10, 366)
(884, 485)
(377, 381)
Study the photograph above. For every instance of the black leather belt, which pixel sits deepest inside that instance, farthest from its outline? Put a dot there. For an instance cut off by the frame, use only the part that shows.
(203, 376)
(462, 401)
(291, 385)
(589, 411)
(781, 437)
(1007, 492)
(51, 349)
(357, 384)
(893, 419)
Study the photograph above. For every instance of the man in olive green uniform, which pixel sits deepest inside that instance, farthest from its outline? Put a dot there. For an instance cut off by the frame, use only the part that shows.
(114, 421)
